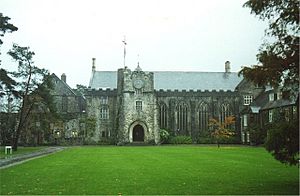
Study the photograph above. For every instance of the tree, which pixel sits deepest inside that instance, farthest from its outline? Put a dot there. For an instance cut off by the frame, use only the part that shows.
(279, 66)
(221, 130)
(279, 59)
(7, 88)
(281, 142)
(7, 83)
(30, 78)
(5, 26)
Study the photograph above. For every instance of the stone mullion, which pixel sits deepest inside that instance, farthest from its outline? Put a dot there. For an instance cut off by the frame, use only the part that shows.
(194, 132)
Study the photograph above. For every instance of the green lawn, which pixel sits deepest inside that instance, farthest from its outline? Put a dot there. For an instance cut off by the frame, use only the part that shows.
(152, 170)
(21, 150)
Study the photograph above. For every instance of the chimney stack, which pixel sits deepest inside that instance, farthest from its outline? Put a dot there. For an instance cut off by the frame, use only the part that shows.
(94, 66)
(64, 77)
(227, 67)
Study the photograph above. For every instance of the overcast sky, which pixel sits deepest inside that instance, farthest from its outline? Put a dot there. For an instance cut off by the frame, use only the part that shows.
(174, 35)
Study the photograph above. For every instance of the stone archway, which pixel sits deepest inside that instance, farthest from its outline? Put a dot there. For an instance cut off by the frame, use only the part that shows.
(138, 133)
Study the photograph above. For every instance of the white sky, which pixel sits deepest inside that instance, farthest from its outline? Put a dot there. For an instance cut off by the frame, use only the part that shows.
(174, 35)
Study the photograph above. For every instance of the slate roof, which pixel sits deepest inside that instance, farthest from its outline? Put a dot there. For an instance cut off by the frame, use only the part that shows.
(175, 80)
(262, 102)
(103, 79)
(54, 76)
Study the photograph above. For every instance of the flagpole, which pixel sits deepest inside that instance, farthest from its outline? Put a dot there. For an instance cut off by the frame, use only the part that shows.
(124, 42)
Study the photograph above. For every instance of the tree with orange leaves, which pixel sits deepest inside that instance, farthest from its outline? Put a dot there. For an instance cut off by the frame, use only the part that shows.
(221, 130)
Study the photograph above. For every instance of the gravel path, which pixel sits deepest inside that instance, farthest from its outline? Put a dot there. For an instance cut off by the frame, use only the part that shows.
(18, 159)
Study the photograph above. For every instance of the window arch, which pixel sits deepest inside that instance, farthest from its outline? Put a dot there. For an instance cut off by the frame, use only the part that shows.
(64, 104)
(203, 114)
(182, 118)
(163, 118)
(225, 112)
(104, 113)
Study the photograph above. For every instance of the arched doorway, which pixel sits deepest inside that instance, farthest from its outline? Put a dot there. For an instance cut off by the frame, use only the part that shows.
(138, 133)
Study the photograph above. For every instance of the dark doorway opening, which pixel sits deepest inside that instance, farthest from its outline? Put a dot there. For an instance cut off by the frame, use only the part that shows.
(138, 133)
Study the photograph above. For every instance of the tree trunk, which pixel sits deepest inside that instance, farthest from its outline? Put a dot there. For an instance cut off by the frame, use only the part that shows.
(23, 108)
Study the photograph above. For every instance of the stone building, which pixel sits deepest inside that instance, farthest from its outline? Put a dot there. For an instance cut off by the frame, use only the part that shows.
(70, 104)
(127, 106)
(133, 105)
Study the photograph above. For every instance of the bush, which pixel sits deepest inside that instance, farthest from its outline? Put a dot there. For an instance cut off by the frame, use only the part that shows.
(151, 142)
(257, 135)
(181, 140)
(164, 136)
(205, 140)
(106, 141)
(232, 140)
(283, 142)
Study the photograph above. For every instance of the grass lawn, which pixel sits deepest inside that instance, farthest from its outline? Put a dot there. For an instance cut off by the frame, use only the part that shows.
(21, 150)
(183, 170)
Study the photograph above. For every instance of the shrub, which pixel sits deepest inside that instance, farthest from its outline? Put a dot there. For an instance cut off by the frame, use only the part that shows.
(205, 140)
(106, 141)
(151, 142)
(181, 140)
(164, 136)
(257, 134)
(283, 142)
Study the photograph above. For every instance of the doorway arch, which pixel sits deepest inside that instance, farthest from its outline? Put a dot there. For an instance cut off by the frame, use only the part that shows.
(138, 133)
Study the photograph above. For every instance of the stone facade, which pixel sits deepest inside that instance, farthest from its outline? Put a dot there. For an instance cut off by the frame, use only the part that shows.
(129, 106)
(137, 114)
(71, 106)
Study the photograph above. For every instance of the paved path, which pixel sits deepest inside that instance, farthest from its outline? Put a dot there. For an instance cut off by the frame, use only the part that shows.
(18, 159)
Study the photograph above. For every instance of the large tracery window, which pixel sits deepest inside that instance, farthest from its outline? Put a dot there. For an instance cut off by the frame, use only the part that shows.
(203, 117)
(163, 116)
(182, 118)
(225, 112)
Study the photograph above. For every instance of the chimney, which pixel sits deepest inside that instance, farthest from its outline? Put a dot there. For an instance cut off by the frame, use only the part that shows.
(63, 77)
(94, 66)
(227, 67)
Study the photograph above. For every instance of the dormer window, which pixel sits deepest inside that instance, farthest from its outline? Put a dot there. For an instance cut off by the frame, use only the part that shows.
(248, 99)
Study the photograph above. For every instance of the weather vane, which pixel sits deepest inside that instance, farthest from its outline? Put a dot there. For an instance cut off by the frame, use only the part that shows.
(124, 41)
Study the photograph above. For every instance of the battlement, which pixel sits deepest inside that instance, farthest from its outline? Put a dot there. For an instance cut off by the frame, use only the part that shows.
(190, 92)
(101, 92)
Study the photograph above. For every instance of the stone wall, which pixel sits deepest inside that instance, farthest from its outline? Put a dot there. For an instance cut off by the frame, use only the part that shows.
(105, 127)
(193, 99)
(133, 87)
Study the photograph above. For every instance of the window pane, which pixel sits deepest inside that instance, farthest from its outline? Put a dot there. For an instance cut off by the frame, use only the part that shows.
(138, 105)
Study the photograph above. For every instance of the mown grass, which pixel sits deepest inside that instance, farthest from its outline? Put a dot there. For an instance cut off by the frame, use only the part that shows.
(21, 150)
(184, 170)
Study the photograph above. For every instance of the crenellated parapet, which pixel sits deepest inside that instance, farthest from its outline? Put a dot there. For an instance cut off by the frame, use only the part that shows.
(101, 92)
(194, 93)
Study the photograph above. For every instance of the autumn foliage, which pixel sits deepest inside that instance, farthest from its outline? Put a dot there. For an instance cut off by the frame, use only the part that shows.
(221, 130)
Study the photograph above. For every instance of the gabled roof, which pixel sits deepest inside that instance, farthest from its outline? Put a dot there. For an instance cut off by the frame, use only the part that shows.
(63, 83)
(173, 80)
(263, 103)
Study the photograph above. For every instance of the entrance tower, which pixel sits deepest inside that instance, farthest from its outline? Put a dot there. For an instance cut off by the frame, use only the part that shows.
(137, 119)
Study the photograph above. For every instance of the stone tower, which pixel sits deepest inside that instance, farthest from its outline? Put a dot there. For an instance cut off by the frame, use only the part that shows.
(137, 119)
